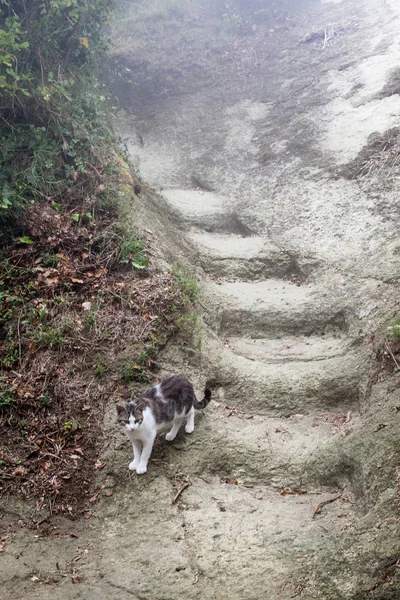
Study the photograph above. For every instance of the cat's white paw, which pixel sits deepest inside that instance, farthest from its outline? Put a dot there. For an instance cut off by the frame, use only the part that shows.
(141, 469)
(170, 436)
(189, 428)
(133, 465)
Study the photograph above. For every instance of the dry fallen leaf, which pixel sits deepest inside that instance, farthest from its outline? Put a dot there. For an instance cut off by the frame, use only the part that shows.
(35, 579)
(20, 470)
(100, 273)
(98, 465)
(51, 281)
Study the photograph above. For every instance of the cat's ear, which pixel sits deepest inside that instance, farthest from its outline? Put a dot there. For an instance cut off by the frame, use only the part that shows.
(141, 405)
(120, 409)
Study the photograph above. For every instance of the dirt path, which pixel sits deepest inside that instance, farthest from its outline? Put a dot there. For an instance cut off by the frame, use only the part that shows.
(295, 260)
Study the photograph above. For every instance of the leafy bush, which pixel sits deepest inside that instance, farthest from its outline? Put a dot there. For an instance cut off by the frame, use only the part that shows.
(54, 127)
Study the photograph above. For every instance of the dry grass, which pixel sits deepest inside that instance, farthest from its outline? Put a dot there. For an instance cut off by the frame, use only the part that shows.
(380, 158)
(73, 322)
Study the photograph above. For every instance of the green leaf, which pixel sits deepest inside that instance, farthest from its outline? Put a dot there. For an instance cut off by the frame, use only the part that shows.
(25, 240)
(5, 203)
(137, 265)
(75, 217)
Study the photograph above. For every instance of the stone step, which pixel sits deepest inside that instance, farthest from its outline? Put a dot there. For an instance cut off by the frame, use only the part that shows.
(247, 258)
(205, 210)
(232, 442)
(273, 309)
(301, 349)
(284, 388)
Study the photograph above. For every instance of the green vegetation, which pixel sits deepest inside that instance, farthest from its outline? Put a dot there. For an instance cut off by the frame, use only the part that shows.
(90, 317)
(138, 369)
(132, 251)
(55, 134)
(186, 282)
(394, 329)
(48, 336)
(99, 368)
(122, 246)
(45, 399)
(7, 393)
(187, 320)
(64, 253)
(76, 287)
(188, 324)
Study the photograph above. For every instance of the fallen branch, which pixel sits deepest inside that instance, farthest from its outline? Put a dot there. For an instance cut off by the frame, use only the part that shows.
(318, 510)
(181, 489)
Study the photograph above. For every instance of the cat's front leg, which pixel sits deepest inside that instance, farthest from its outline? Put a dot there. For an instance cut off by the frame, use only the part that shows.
(144, 458)
(137, 451)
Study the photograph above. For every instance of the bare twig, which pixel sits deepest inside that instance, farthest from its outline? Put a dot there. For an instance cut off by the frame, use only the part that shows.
(181, 489)
(318, 510)
(392, 355)
(149, 322)
(6, 475)
(19, 337)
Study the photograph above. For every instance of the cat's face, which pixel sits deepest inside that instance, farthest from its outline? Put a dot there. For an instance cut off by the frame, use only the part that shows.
(131, 415)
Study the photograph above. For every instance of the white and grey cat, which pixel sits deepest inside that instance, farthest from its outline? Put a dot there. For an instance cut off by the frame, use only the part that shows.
(172, 400)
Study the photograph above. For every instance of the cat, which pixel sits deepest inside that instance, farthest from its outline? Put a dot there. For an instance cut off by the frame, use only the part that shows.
(172, 400)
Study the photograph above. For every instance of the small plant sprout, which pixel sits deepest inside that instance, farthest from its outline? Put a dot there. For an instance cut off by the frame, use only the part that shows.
(394, 329)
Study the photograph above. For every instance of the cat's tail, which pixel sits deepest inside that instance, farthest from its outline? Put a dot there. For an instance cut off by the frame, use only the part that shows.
(203, 403)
